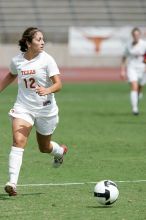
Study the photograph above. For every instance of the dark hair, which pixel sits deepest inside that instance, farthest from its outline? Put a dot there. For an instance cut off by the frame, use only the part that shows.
(27, 36)
(135, 29)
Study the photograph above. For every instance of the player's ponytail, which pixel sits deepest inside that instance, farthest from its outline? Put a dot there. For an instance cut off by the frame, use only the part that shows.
(27, 36)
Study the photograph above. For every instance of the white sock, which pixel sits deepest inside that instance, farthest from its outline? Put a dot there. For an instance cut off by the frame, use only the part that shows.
(134, 100)
(15, 161)
(57, 150)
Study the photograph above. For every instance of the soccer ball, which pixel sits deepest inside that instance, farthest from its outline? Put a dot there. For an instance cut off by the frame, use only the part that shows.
(106, 192)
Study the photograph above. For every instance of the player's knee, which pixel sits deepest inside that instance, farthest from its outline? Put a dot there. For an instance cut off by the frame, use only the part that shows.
(21, 142)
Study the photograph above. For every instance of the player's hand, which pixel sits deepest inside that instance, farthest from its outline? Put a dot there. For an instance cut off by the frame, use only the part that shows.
(40, 90)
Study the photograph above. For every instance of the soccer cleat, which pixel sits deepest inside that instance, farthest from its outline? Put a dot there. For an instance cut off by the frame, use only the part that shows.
(10, 188)
(135, 113)
(59, 160)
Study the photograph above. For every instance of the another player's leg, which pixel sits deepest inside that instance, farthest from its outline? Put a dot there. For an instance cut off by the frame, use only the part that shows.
(21, 130)
(134, 97)
(140, 93)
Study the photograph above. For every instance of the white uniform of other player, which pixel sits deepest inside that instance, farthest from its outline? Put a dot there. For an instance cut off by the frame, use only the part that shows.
(41, 111)
(135, 62)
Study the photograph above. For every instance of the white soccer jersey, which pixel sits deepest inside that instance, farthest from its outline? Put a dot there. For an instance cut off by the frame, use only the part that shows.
(135, 54)
(32, 73)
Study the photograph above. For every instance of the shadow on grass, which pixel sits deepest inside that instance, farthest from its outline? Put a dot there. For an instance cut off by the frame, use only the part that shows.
(6, 196)
(98, 206)
(118, 114)
(113, 114)
(30, 194)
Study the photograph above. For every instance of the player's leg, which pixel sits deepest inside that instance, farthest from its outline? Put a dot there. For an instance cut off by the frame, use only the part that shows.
(142, 82)
(21, 130)
(47, 146)
(134, 97)
(45, 128)
(140, 94)
(133, 75)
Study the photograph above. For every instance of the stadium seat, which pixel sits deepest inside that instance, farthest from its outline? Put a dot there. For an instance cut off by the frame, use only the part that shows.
(55, 17)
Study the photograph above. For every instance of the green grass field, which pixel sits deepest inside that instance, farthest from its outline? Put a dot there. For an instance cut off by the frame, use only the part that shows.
(105, 142)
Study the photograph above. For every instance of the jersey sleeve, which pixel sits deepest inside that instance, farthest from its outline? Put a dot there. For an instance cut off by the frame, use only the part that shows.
(13, 69)
(52, 67)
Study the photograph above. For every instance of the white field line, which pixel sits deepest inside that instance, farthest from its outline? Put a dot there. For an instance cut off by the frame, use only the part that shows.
(74, 183)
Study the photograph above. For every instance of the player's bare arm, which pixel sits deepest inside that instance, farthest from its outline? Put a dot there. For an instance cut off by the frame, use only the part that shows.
(57, 85)
(123, 68)
(9, 78)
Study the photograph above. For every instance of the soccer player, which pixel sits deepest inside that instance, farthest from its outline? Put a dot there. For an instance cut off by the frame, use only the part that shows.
(38, 80)
(133, 59)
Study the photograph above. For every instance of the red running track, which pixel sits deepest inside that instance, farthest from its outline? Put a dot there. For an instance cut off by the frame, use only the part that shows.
(83, 74)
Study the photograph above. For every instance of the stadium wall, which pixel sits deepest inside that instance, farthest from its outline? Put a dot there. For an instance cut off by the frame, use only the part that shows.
(61, 54)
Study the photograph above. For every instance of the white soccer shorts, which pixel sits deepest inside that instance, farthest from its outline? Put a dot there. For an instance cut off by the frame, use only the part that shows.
(43, 125)
(136, 74)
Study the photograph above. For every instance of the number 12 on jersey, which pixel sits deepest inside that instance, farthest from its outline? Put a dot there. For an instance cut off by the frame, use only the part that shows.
(30, 83)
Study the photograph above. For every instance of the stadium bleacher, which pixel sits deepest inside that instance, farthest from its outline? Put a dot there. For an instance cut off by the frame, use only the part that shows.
(56, 16)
